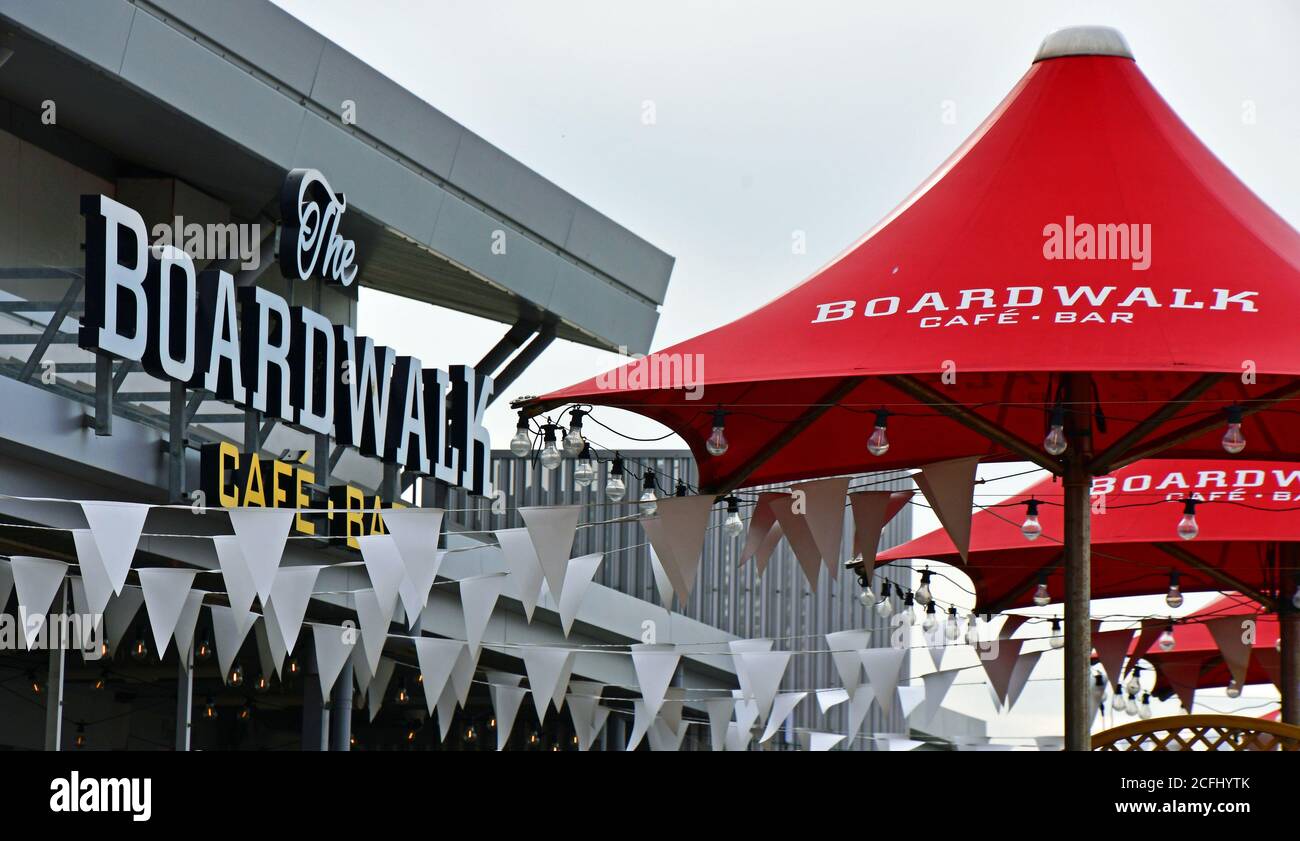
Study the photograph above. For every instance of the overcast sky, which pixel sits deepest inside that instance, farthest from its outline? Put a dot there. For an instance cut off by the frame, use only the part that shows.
(773, 118)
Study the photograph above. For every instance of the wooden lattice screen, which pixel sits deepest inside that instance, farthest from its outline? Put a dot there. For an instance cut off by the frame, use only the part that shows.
(1199, 732)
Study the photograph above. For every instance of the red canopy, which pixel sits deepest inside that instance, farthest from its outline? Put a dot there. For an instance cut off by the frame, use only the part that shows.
(999, 270)
(1250, 506)
(1195, 644)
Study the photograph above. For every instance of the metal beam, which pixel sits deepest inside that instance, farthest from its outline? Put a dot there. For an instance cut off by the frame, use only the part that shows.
(507, 345)
(1198, 428)
(177, 413)
(1077, 539)
(787, 434)
(532, 350)
(103, 394)
(936, 400)
(1101, 464)
(48, 336)
(1229, 581)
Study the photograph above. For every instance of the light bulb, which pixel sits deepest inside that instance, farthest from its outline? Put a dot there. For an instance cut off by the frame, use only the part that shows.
(209, 709)
(923, 595)
(1233, 441)
(1134, 685)
(573, 441)
(1131, 705)
(140, 649)
(1174, 598)
(263, 684)
(1187, 527)
(615, 489)
(931, 621)
(1058, 638)
(1233, 690)
(584, 472)
(1166, 640)
(649, 504)
(878, 443)
(732, 526)
(1055, 442)
(204, 650)
(866, 598)
(885, 607)
(1117, 700)
(1031, 528)
(952, 629)
(1042, 596)
(550, 457)
(236, 676)
(522, 444)
(909, 609)
(972, 630)
(717, 443)
(1144, 708)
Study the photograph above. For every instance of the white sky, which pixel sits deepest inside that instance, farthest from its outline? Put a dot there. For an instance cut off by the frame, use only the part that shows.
(773, 118)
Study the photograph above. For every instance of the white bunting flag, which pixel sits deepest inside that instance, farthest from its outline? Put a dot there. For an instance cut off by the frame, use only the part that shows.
(999, 668)
(415, 532)
(95, 581)
(882, 666)
(909, 698)
(891, 742)
(825, 516)
(1020, 676)
(37, 581)
(827, 699)
(739, 647)
(846, 649)
(7, 585)
(91, 640)
(384, 565)
(437, 658)
(165, 593)
(576, 584)
(798, 533)
(677, 532)
(765, 670)
(663, 737)
(290, 595)
(446, 710)
(552, 529)
(937, 685)
(379, 685)
(116, 527)
(655, 666)
(859, 706)
(270, 648)
(478, 596)
(949, 487)
(782, 708)
(1111, 647)
(663, 585)
(719, 710)
(462, 675)
(374, 621)
(813, 741)
(229, 628)
(505, 706)
(261, 534)
(1231, 635)
(871, 511)
(525, 579)
(120, 615)
(332, 650)
(642, 719)
(548, 675)
(234, 572)
(761, 520)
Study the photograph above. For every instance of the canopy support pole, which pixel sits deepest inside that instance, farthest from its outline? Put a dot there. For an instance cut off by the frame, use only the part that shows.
(1288, 620)
(1230, 582)
(1077, 484)
(940, 402)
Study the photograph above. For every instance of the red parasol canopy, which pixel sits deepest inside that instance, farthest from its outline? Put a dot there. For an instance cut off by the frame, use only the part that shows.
(1195, 644)
(1250, 507)
(1081, 228)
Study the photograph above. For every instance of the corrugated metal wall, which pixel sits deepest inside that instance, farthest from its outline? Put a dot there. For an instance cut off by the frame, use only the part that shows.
(778, 604)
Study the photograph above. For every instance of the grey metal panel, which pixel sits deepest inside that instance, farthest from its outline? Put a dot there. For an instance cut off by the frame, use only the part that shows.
(384, 109)
(197, 82)
(260, 33)
(612, 248)
(586, 299)
(465, 235)
(374, 182)
(97, 31)
(496, 179)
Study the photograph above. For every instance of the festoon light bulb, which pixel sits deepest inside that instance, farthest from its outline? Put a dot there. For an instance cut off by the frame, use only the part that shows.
(1174, 598)
(1042, 596)
(1031, 528)
(615, 487)
(885, 607)
(972, 630)
(573, 441)
(1131, 704)
(1134, 685)
(717, 443)
(1233, 441)
(866, 598)
(550, 457)
(584, 471)
(952, 629)
(732, 526)
(1055, 443)
(923, 594)
(1058, 638)
(649, 494)
(1234, 689)
(1166, 640)
(931, 620)
(1144, 707)
(522, 444)
(878, 442)
(1117, 699)
(1187, 527)
(909, 608)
